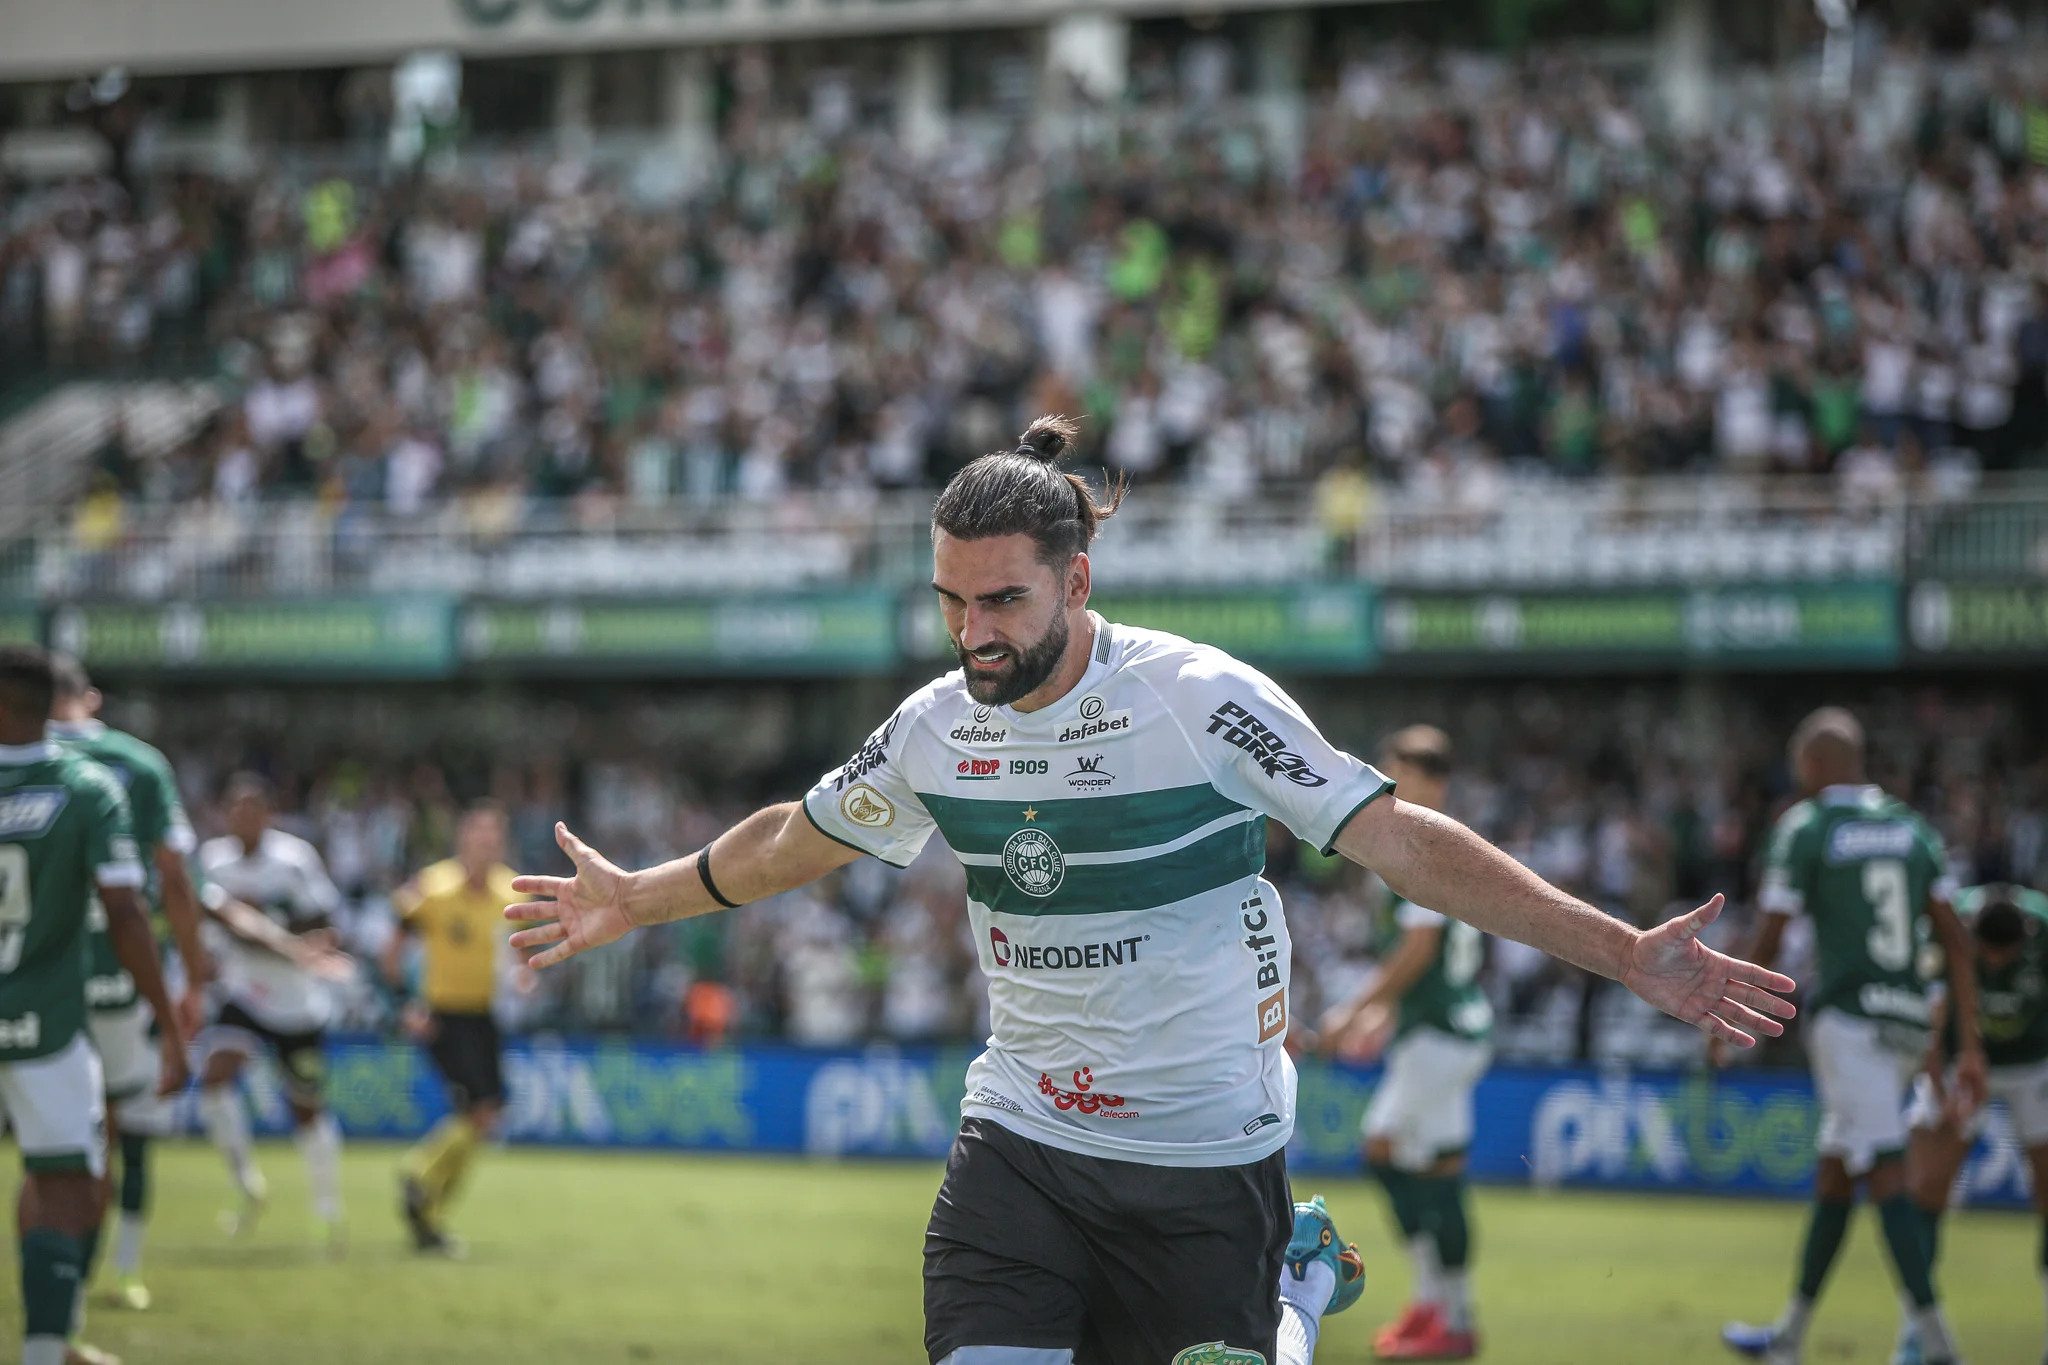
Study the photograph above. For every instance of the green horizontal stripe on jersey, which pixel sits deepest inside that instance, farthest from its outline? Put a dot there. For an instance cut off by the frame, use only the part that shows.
(1089, 824)
(1219, 859)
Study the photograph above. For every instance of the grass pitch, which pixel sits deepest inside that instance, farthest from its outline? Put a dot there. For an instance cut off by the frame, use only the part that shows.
(590, 1258)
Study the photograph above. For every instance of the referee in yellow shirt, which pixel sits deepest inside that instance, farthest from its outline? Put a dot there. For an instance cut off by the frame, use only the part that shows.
(455, 911)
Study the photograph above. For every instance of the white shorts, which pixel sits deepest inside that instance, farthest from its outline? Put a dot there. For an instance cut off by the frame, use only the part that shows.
(132, 1065)
(2023, 1090)
(57, 1108)
(1860, 1071)
(1423, 1105)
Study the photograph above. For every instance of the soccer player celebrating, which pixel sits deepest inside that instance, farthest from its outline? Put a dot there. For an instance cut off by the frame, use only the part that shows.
(1118, 1188)
(1873, 878)
(452, 910)
(64, 838)
(272, 1001)
(1420, 1121)
(120, 1021)
(2009, 927)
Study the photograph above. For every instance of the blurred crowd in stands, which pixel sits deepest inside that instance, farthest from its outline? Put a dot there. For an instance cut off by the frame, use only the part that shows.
(1462, 268)
(1644, 798)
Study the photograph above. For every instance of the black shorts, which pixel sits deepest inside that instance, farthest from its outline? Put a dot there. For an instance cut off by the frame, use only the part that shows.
(465, 1051)
(1119, 1262)
(302, 1057)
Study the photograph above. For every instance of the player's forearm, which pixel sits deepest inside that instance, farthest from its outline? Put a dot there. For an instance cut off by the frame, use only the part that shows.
(183, 913)
(1962, 976)
(1433, 860)
(135, 949)
(771, 851)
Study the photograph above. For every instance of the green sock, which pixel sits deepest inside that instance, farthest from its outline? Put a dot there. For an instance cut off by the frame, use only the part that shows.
(1824, 1233)
(1930, 1235)
(52, 1268)
(1903, 1234)
(1443, 1196)
(134, 1173)
(1403, 1196)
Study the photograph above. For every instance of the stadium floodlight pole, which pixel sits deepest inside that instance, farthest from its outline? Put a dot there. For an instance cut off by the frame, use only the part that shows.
(1006, 607)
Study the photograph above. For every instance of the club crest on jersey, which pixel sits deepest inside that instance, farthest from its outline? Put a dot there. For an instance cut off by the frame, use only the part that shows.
(30, 812)
(1033, 862)
(865, 806)
(1216, 1353)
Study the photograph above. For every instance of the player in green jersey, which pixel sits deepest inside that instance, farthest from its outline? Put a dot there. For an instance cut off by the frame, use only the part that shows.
(1873, 879)
(2009, 928)
(1420, 1120)
(64, 835)
(119, 1020)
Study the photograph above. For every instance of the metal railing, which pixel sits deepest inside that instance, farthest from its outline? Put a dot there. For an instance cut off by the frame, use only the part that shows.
(1532, 534)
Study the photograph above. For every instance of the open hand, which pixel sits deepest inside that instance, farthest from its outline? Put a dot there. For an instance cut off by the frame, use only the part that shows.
(1730, 999)
(585, 911)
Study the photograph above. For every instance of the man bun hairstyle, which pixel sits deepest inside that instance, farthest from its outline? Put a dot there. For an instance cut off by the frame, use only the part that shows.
(1025, 492)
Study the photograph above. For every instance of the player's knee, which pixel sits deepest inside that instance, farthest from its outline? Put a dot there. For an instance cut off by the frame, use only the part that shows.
(68, 1201)
(1832, 1181)
(1009, 1355)
(1887, 1177)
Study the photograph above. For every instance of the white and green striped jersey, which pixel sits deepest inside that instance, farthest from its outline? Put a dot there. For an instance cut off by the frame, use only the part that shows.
(1113, 843)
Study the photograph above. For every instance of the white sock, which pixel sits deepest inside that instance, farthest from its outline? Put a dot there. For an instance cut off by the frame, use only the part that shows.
(320, 1145)
(1907, 1329)
(1932, 1327)
(1792, 1326)
(227, 1124)
(1456, 1297)
(1428, 1274)
(42, 1351)
(1301, 1312)
(128, 1243)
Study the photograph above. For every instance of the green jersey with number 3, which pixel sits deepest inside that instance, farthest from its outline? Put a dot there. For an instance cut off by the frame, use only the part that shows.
(159, 820)
(1862, 866)
(1447, 996)
(63, 832)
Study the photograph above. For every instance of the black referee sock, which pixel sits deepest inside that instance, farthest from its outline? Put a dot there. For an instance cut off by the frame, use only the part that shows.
(1404, 1198)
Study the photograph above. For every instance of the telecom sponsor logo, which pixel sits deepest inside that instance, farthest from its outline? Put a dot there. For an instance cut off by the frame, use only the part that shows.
(1096, 721)
(1083, 1098)
(1063, 956)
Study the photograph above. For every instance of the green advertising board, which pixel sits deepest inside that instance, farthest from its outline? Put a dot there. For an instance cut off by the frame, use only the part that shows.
(1845, 624)
(20, 626)
(369, 636)
(854, 630)
(1306, 628)
(1983, 621)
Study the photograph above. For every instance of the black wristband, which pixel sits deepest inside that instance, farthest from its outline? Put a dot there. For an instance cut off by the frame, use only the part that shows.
(704, 871)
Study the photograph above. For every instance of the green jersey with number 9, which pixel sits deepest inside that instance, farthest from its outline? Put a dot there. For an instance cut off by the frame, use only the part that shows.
(1447, 996)
(1862, 866)
(63, 831)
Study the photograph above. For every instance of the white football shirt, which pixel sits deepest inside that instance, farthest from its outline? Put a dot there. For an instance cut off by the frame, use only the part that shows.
(1113, 843)
(285, 879)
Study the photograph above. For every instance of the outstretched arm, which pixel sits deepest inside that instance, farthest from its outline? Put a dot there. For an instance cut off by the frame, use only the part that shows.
(1435, 861)
(771, 851)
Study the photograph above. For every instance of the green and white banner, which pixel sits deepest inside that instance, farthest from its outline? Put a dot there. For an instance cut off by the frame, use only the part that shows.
(408, 636)
(1794, 625)
(1988, 621)
(850, 631)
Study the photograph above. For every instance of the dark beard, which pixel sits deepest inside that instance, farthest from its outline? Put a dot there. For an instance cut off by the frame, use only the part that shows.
(1027, 672)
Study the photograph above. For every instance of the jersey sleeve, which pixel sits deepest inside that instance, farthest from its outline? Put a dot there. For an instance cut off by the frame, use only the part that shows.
(1928, 848)
(317, 893)
(152, 799)
(1261, 750)
(867, 803)
(1788, 862)
(110, 832)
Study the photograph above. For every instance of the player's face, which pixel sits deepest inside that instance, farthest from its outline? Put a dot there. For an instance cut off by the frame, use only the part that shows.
(1997, 958)
(1006, 612)
(480, 841)
(248, 817)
